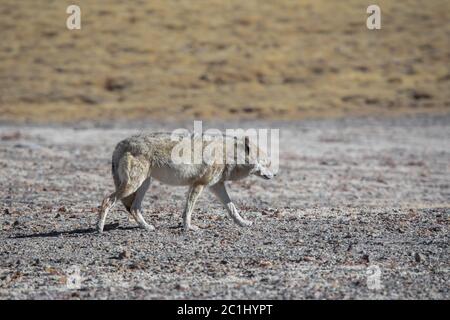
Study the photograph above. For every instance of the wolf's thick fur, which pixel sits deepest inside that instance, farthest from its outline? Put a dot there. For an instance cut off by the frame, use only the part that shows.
(138, 159)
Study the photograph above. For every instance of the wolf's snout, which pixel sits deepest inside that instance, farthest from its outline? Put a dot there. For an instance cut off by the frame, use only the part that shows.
(268, 176)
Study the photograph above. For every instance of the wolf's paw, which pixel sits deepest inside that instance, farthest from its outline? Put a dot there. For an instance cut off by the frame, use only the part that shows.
(149, 227)
(100, 228)
(191, 228)
(245, 223)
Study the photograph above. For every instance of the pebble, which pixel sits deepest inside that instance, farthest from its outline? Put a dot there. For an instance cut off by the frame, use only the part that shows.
(124, 254)
(181, 286)
(419, 257)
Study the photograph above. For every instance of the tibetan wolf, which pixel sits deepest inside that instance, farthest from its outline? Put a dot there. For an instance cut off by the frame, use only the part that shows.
(138, 159)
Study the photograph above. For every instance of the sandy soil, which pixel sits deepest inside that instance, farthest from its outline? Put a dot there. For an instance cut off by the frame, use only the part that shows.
(351, 195)
(239, 59)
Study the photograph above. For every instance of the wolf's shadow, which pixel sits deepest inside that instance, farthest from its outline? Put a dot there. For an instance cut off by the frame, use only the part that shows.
(108, 227)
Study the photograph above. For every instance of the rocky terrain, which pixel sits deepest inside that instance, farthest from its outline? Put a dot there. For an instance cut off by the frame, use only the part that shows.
(360, 209)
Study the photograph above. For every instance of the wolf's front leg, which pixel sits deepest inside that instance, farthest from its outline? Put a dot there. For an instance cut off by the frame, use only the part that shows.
(221, 193)
(193, 193)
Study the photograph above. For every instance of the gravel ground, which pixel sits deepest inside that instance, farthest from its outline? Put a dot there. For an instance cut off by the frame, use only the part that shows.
(354, 199)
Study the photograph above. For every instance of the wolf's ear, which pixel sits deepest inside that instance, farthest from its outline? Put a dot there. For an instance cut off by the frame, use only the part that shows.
(247, 144)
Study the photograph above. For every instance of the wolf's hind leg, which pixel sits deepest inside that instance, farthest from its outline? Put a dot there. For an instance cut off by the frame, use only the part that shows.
(221, 193)
(128, 201)
(193, 193)
(136, 207)
(134, 172)
(107, 204)
(124, 190)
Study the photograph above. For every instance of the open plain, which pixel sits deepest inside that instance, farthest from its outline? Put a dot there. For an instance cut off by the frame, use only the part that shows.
(354, 198)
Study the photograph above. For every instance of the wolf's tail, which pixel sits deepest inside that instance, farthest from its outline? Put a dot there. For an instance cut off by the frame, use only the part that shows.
(115, 164)
(128, 167)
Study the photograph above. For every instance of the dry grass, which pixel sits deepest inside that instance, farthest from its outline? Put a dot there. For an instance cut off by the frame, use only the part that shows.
(230, 59)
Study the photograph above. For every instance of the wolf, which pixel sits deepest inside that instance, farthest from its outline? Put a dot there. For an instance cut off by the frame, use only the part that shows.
(140, 158)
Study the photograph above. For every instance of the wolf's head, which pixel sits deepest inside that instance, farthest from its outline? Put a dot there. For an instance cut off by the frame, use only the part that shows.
(257, 160)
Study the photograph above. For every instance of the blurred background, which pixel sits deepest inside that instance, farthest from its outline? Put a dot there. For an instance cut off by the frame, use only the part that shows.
(222, 59)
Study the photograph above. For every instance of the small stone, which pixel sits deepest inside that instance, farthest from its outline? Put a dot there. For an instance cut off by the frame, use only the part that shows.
(124, 254)
(11, 136)
(136, 266)
(90, 99)
(280, 214)
(140, 286)
(420, 95)
(181, 287)
(365, 257)
(265, 263)
(418, 257)
(28, 145)
(117, 84)
(347, 236)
